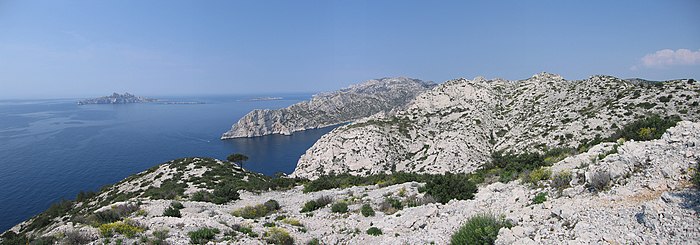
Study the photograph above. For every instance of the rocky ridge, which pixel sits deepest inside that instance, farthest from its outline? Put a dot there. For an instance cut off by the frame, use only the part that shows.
(457, 125)
(116, 98)
(647, 198)
(327, 109)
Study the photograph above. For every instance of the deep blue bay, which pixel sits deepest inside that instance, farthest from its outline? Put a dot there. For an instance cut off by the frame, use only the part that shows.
(52, 149)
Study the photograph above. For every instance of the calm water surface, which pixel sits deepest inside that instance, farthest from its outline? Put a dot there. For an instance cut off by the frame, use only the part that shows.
(52, 149)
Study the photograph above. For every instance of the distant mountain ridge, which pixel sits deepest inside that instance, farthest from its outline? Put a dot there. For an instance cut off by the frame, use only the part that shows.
(116, 98)
(331, 108)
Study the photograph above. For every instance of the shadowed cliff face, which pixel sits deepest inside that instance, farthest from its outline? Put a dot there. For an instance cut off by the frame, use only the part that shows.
(457, 125)
(326, 109)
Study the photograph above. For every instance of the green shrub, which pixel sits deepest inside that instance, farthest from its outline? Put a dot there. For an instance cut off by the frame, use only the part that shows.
(415, 201)
(294, 222)
(539, 198)
(367, 210)
(450, 186)
(599, 180)
(561, 180)
(121, 227)
(176, 204)
(536, 175)
(696, 176)
(245, 230)
(203, 235)
(252, 212)
(322, 201)
(74, 237)
(269, 224)
(276, 235)
(316, 204)
(479, 229)
(272, 205)
(167, 190)
(160, 236)
(339, 207)
(374, 231)
(225, 193)
(172, 212)
(652, 127)
(314, 241)
(310, 206)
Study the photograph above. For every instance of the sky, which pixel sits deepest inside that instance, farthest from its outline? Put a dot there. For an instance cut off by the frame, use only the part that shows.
(72, 49)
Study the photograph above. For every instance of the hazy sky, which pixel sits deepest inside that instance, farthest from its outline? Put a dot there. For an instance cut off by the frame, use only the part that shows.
(88, 48)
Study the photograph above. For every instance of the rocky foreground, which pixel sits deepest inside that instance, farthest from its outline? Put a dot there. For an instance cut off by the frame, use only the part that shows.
(327, 109)
(638, 193)
(116, 98)
(456, 126)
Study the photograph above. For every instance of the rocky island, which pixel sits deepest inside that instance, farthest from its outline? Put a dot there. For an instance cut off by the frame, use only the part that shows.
(327, 109)
(116, 98)
(542, 160)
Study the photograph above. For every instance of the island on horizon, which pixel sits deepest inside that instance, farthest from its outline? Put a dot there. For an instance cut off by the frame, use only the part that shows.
(117, 98)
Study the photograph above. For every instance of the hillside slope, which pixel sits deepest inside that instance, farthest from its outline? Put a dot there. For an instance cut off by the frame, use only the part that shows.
(326, 109)
(457, 125)
(646, 198)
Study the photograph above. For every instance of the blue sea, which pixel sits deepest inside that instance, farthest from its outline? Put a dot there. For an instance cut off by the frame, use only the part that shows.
(52, 149)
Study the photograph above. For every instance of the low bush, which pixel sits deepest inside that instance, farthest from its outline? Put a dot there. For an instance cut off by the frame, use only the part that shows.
(313, 241)
(652, 127)
(120, 227)
(316, 204)
(75, 237)
(367, 210)
(276, 235)
(324, 200)
(203, 235)
(450, 186)
(561, 180)
(539, 198)
(257, 211)
(310, 206)
(174, 209)
(696, 176)
(479, 229)
(374, 231)
(542, 173)
(160, 236)
(245, 230)
(272, 205)
(415, 201)
(599, 180)
(339, 207)
(294, 222)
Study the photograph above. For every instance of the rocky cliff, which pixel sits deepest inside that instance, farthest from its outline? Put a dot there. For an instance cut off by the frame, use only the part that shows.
(116, 98)
(646, 197)
(457, 125)
(355, 102)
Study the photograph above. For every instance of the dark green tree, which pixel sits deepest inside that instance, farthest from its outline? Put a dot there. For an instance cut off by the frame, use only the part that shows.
(237, 158)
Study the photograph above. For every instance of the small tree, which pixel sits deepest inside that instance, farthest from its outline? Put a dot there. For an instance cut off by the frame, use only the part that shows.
(237, 158)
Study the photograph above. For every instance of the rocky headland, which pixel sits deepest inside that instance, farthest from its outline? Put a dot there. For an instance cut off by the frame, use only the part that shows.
(333, 108)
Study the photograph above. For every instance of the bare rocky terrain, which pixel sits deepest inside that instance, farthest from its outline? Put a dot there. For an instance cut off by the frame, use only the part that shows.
(457, 125)
(332, 108)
